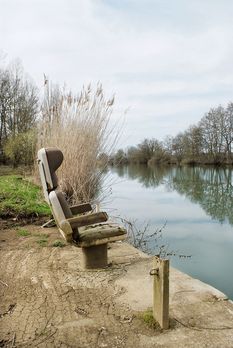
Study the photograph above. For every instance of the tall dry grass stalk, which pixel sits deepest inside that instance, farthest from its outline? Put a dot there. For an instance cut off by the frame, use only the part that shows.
(79, 126)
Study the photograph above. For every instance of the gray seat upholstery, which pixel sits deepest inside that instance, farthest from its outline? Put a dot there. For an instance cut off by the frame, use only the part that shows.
(49, 160)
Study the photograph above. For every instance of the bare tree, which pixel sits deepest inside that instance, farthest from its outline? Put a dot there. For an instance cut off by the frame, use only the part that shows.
(228, 130)
(18, 103)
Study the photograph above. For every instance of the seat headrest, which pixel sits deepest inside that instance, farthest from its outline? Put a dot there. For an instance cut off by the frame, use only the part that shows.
(49, 160)
(54, 158)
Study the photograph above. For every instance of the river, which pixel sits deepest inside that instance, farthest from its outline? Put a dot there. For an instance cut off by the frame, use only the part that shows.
(196, 206)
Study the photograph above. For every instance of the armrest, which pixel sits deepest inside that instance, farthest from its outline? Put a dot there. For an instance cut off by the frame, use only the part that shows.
(89, 219)
(81, 208)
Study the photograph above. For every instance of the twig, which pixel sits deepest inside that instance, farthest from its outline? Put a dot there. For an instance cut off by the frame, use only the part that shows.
(200, 328)
(45, 339)
(9, 311)
(100, 331)
(4, 283)
(13, 340)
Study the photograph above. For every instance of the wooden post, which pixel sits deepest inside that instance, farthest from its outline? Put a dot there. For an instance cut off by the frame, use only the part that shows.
(161, 291)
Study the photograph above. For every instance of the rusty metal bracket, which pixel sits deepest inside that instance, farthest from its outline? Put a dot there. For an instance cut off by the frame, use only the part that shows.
(154, 272)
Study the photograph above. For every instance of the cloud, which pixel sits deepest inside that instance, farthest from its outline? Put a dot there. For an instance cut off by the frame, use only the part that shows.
(169, 61)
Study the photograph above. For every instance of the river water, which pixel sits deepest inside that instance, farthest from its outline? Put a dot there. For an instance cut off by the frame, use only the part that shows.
(195, 203)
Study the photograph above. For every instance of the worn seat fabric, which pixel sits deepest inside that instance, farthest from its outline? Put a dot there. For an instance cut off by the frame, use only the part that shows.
(99, 231)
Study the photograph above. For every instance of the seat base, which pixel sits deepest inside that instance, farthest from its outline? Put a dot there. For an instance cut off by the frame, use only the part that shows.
(95, 256)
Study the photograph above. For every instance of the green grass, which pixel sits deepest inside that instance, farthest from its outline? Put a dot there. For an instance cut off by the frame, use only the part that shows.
(23, 233)
(41, 235)
(19, 197)
(42, 242)
(147, 317)
(58, 243)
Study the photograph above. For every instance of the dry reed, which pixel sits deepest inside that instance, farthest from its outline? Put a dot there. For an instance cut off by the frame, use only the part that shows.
(79, 126)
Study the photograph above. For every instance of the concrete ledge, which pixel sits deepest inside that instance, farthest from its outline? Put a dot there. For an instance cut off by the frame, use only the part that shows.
(204, 313)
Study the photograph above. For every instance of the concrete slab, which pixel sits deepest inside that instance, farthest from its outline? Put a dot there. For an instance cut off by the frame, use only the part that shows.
(200, 315)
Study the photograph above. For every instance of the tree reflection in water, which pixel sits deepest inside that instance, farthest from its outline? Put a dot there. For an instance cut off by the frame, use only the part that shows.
(209, 187)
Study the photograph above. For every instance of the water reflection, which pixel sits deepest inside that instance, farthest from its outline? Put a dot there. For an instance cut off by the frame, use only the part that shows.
(196, 203)
(147, 176)
(211, 188)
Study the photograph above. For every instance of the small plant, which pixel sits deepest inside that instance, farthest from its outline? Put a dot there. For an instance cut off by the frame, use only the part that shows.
(42, 235)
(42, 242)
(58, 244)
(23, 233)
(149, 242)
(148, 318)
(141, 238)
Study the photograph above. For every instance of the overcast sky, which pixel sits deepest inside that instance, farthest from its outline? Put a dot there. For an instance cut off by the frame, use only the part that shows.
(167, 61)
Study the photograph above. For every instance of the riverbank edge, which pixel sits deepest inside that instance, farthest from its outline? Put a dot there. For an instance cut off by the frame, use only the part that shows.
(198, 307)
(140, 256)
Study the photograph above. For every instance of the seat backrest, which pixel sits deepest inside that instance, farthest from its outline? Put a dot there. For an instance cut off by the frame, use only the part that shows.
(61, 212)
(60, 207)
(49, 160)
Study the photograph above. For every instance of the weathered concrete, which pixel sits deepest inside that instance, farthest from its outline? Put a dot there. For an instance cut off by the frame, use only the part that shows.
(95, 256)
(204, 314)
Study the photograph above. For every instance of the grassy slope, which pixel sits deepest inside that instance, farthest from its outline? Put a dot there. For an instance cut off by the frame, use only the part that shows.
(20, 198)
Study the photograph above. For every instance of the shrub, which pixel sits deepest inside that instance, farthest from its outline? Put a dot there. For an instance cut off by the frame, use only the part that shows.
(21, 148)
(79, 126)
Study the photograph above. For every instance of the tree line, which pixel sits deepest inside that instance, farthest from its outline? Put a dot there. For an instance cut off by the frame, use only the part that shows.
(208, 142)
(19, 105)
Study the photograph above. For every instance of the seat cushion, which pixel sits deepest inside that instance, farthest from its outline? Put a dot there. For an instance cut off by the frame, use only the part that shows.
(100, 231)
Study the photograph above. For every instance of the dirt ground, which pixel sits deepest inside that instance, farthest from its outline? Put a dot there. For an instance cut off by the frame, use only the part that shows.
(47, 300)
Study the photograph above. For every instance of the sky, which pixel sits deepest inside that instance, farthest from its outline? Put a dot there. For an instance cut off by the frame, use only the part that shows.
(166, 61)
